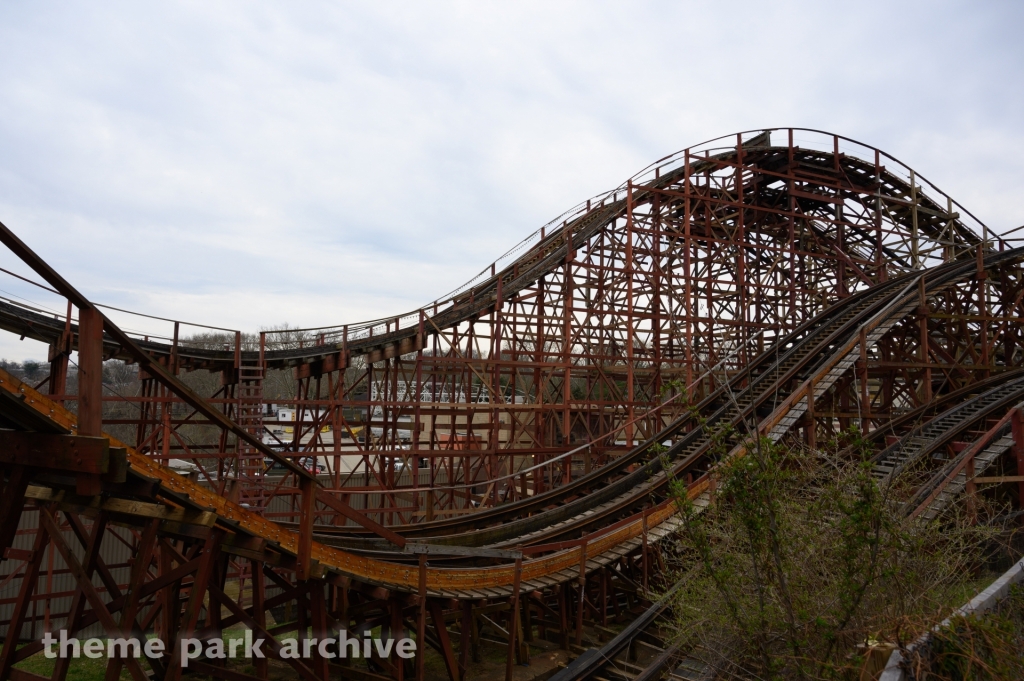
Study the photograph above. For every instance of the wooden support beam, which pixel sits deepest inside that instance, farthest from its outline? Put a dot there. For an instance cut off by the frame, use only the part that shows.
(307, 507)
(260, 632)
(447, 652)
(127, 507)
(91, 542)
(28, 585)
(421, 621)
(73, 453)
(11, 505)
(90, 371)
(332, 502)
(190, 617)
(319, 626)
(999, 479)
(465, 640)
(513, 619)
(259, 612)
(140, 569)
(85, 584)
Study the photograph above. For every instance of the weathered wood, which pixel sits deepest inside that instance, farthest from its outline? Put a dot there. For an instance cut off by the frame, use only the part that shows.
(999, 479)
(269, 640)
(17, 619)
(85, 584)
(90, 371)
(421, 619)
(513, 621)
(91, 542)
(307, 507)
(362, 519)
(139, 571)
(12, 504)
(450, 663)
(200, 584)
(124, 507)
(74, 453)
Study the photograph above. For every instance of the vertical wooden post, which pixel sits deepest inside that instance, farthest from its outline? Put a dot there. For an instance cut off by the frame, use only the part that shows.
(446, 644)
(318, 617)
(922, 313)
(972, 490)
(1017, 425)
(421, 623)
(259, 613)
(583, 591)
(307, 506)
(812, 423)
(59, 353)
(395, 606)
(865, 393)
(513, 618)
(209, 552)
(90, 387)
(465, 637)
(563, 612)
(646, 556)
(90, 372)
(12, 503)
(527, 620)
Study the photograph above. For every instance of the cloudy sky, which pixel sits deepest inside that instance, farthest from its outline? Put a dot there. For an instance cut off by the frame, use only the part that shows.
(249, 164)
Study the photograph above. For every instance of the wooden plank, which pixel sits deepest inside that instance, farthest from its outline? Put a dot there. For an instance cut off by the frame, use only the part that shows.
(73, 453)
(169, 514)
(1000, 479)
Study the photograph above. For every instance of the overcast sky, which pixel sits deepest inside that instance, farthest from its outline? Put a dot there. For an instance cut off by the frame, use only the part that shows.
(249, 164)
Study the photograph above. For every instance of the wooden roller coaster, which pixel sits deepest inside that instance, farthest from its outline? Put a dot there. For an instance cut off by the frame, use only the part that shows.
(496, 464)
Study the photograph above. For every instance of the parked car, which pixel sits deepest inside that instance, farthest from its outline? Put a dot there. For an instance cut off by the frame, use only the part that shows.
(312, 465)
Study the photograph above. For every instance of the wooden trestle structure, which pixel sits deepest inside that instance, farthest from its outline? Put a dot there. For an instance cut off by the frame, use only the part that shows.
(505, 476)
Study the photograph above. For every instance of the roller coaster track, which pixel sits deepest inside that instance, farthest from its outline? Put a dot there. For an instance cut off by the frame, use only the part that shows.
(611, 490)
(934, 436)
(758, 174)
(831, 343)
(474, 298)
(824, 298)
(931, 430)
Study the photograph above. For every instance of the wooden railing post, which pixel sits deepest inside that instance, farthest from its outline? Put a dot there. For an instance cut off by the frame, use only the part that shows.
(307, 506)
(90, 387)
(583, 590)
(1017, 424)
(513, 619)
